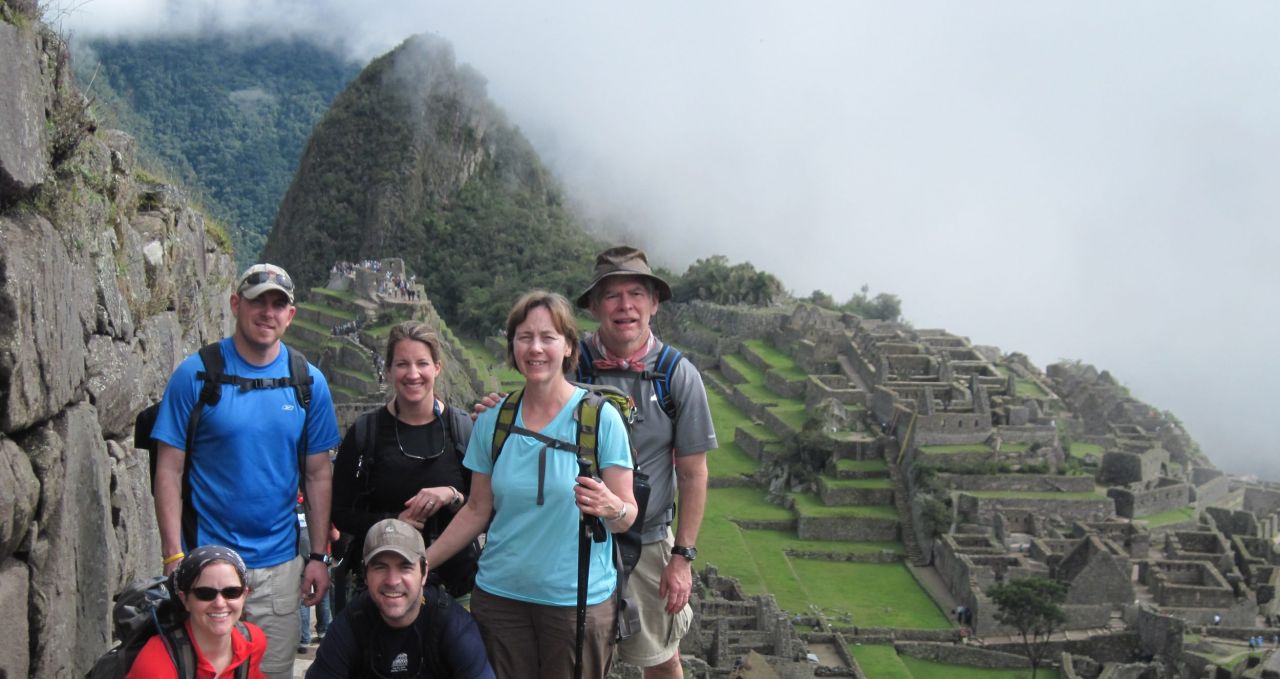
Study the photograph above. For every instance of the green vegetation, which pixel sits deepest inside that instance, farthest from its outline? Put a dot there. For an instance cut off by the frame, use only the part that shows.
(227, 118)
(778, 361)
(1029, 389)
(1179, 515)
(752, 374)
(925, 669)
(956, 448)
(884, 306)
(810, 505)
(872, 483)
(1037, 495)
(341, 314)
(1079, 449)
(880, 661)
(862, 465)
(714, 280)
(341, 295)
(1033, 606)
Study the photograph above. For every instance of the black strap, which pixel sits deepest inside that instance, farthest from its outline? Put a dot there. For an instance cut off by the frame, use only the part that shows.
(584, 566)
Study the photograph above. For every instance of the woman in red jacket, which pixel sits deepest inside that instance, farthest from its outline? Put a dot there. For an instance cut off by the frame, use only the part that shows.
(210, 584)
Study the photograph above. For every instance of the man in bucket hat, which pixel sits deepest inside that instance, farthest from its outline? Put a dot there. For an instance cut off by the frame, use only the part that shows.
(234, 479)
(400, 627)
(671, 448)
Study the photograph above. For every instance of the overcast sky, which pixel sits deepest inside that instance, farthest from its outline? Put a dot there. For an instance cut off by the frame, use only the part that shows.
(1091, 180)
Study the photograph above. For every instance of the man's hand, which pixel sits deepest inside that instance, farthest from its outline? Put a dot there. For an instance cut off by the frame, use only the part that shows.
(677, 583)
(490, 400)
(169, 568)
(315, 582)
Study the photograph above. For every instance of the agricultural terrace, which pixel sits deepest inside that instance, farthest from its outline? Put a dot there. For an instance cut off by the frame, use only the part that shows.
(883, 662)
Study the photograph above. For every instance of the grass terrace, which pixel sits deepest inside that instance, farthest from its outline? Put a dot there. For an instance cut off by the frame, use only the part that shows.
(753, 374)
(312, 326)
(778, 361)
(347, 392)
(791, 411)
(1037, 495)
(341, 314)
(341, 295)
(811, 505)
(1029, 389)
(1179, 515)
(956, 448)
(1080, 449)
(862, 466)
(874, 483)
(883, 662)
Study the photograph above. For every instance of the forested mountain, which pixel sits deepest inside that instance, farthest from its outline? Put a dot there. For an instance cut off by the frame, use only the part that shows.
(414, 160)
(228, 117)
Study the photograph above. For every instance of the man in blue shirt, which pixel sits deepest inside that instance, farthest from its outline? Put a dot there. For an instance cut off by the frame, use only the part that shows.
(399, 628)
(243, 475)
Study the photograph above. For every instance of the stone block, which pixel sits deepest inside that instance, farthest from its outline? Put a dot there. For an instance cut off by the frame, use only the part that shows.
(15, 631)
(133, 518)
(23, 155)
(115, 384)
(19, 495)
(74, 558)
(45, 307)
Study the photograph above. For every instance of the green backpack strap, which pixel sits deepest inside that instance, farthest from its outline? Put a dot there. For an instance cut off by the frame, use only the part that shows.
(506, 420)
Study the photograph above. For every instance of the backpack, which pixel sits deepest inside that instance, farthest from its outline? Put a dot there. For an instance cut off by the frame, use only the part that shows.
(363, 617)
(214, 377)
(626, 545)
(663, 369)
(458, 574)
(144, 609)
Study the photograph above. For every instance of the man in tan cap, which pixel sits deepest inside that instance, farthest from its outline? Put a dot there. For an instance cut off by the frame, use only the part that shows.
(672, 434)
(400, 627)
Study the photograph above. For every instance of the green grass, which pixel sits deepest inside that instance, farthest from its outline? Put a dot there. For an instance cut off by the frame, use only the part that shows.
(1179, 515)
(778, 361)
(753, 374)
(875, 594)
(695, 324)
(1036, 495)
(875, 483)
(809, 505)
(791, 411)
(312, 326)
(862, 466)
(1029, 389)
(926, 669)
(728, 418)
(587, 324)
(956, 448)
(331, 312)
(1015, 447)
(349, 393)
(344, 295)
(1079, 449)
(880, 661)
(365, 378)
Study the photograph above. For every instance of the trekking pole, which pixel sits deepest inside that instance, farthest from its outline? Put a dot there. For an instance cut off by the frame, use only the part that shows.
(584, 565)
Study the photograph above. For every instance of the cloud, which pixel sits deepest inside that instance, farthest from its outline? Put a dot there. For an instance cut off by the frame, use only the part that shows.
(1093, 180)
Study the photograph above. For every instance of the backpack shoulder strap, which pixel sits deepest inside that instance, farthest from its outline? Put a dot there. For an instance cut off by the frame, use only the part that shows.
(585, 372)
(365, 431)
(664, 368)
(300, 376)
(457, 426)
(506, 420)
(242, 671)
(435, 618)
(180, 651)
(588, 417)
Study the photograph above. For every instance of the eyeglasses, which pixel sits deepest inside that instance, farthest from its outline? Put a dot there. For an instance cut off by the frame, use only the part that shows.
(260, 277)
(211, 593)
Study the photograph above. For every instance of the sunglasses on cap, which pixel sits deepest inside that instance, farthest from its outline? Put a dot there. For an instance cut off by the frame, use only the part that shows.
(260, 277)
(211, 593)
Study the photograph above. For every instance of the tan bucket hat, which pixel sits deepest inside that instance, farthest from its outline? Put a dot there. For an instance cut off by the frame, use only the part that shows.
(623, 260)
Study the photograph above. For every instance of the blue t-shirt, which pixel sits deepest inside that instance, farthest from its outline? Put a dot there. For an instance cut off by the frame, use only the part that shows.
(244, 473)
(531, 551)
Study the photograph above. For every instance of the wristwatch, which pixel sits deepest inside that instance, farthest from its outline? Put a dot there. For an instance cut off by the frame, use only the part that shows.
(689, 552)
(317, 556)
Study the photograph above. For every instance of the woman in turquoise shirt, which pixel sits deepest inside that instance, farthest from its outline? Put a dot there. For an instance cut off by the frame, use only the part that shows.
(526, 589)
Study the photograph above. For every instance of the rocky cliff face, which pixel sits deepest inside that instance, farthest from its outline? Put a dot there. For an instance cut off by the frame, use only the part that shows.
(107, 279)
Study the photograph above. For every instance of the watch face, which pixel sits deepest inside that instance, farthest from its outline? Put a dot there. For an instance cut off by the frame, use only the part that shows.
(689, 553)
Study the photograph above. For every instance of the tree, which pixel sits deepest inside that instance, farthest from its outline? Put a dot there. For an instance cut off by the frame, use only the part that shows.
(884, 306)
(1033, 607)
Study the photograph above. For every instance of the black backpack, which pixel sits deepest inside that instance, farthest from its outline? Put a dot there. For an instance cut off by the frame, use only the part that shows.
(458, 574)
(433, 618)
(215, 376)
(144, 609)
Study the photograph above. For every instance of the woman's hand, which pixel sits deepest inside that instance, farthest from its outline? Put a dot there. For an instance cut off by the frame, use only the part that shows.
(427, 502)
(595, 499)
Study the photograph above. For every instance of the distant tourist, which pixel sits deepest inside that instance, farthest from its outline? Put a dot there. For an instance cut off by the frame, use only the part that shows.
(243, 473)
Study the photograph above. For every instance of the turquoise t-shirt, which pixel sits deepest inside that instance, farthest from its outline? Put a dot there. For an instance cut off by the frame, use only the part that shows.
(531, 553)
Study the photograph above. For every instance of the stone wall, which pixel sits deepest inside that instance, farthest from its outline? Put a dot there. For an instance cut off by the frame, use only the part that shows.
(1134, 502)
(982, 510)
(970, 656)
(106, 281)
(1122, 468)
(835, 495)
(842, 528)
(1046, 483)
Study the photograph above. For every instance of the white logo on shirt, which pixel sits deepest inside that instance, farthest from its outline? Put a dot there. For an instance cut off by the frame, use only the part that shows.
(288, 407)
(401, 663)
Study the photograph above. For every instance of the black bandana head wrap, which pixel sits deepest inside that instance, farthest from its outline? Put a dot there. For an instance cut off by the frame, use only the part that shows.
(195, 562)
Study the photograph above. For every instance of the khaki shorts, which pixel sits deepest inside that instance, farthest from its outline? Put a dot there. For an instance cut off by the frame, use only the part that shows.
(660, 632)
(273, 605)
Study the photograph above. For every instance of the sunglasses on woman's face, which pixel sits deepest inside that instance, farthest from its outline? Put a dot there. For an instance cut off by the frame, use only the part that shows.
(211, 593)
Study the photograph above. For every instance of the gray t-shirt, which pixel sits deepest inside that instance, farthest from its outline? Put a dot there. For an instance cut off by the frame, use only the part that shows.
(656, 435)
